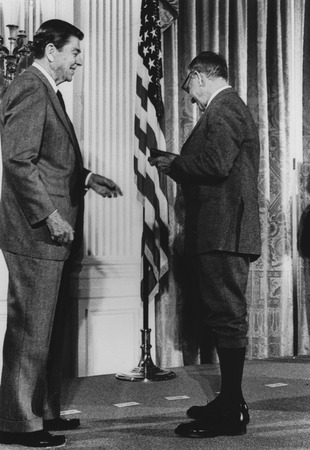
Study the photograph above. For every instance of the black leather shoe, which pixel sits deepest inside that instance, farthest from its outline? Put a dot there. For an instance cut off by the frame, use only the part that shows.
(33, 439)
(208, 411)
(226, 426)
(61, 424)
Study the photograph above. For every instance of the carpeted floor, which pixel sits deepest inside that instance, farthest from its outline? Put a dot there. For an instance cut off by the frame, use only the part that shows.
(124, 415)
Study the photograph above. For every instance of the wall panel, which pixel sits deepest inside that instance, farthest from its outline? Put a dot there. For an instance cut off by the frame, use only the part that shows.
(103, 114)
(105, 129)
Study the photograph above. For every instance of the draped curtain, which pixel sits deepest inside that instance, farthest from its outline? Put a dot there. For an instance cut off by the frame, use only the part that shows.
(303, 170)
(262, 40)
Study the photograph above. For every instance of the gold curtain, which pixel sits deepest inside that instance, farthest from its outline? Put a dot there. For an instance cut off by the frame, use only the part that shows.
(303, 173)
(262, 41)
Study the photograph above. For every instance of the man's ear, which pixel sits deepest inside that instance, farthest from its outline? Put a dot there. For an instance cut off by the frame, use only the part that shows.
(201, 79)
(50, 52)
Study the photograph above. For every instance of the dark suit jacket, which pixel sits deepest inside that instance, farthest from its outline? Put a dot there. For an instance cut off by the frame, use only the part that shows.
(218, 169)
(42, 168)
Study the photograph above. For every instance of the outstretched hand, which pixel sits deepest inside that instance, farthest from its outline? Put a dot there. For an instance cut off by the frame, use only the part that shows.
(104, 186)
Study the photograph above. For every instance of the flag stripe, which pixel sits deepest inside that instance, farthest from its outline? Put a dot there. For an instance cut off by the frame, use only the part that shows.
(142, 92)
(151, 188)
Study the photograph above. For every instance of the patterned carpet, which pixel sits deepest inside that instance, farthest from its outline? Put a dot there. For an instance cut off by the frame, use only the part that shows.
(124, 415)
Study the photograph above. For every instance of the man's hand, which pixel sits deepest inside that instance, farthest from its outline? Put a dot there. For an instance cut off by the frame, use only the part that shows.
(61, 231)
(162, 163)
(104, 186)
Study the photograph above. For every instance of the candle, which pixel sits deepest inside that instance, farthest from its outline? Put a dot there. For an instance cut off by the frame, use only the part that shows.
(22, 15)
(30, 20)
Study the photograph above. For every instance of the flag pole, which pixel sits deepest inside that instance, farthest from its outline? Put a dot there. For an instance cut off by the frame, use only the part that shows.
(149, 111)
(146, 369)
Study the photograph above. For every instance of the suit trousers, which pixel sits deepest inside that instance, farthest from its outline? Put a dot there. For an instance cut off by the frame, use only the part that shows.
(26, 384)
(218, 286)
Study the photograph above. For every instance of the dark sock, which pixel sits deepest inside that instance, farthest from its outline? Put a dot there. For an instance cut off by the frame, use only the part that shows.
(231, 365)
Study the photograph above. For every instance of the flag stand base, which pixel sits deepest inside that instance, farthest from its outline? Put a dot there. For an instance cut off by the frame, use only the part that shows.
(146, 369)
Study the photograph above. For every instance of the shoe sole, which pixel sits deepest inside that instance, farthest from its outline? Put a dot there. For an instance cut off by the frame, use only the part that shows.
(212, 434)
(201, 417)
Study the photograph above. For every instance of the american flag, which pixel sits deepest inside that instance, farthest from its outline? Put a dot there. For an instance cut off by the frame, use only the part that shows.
(148, 133)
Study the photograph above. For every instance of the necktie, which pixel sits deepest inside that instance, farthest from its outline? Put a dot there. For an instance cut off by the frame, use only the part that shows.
(73, 136)
(61, 100)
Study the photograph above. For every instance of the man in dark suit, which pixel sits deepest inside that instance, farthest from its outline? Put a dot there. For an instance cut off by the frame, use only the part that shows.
(218, 169)
(41, 219)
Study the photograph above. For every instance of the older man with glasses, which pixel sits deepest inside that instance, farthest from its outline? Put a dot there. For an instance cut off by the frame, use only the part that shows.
(218, 170)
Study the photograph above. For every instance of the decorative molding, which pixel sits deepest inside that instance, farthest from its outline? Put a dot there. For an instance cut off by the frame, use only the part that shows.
(97, 278)
(103, 112)
(109, 335)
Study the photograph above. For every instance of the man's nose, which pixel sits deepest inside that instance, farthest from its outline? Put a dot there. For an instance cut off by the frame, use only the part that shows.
(79, 60)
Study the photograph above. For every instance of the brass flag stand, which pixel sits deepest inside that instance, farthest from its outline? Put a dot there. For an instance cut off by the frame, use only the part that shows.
(149, 103)
(146, 369)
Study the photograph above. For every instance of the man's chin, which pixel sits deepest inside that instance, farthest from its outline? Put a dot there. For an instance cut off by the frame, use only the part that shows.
(70, 76)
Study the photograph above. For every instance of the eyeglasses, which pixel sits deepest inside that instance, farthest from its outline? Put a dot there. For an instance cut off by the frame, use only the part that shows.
(185, 85)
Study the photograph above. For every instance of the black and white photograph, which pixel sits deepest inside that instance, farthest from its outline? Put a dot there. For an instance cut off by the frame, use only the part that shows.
(155, 224)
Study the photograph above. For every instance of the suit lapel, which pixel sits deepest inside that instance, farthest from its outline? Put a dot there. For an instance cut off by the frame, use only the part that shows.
(197, 124)
(60, 112)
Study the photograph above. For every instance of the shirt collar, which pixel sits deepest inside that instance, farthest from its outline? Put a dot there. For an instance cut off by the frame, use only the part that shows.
(217, 92)
(47, 75)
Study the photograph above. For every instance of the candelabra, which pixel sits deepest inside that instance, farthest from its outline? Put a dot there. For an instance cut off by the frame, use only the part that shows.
(15, 59)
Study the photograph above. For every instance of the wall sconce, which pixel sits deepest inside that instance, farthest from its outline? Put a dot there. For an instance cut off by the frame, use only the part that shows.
(15, 59)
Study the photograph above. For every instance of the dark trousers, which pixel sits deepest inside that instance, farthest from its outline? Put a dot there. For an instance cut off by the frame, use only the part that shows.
(218, 285)
(30, 384)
